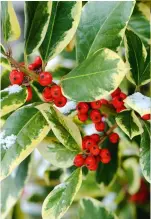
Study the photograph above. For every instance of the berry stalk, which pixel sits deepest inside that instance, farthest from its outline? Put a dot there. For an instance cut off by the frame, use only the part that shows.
(108, 133)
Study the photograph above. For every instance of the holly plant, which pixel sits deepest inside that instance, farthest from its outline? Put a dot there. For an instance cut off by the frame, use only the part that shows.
(87, 116)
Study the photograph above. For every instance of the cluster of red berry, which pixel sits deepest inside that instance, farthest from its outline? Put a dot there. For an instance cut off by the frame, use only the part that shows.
(92, 154)
(86, 110)
(117, 100)
(51, 93)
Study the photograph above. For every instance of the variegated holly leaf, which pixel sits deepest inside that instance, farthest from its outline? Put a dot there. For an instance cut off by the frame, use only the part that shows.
(129, 123)
(4, 77)
(5, 63)
(140, 22)
(140, 103)
(92, 208)
(137, 59)
(56, 153)
(63, 23)
(12, 98)
(10, 25)
(2, 49)
(145, 152)
(131, 169)
(102, 25)
(13, 185)
(37, 16)
(62, 196)
(22, 132)
(64, 129)
(95, 78)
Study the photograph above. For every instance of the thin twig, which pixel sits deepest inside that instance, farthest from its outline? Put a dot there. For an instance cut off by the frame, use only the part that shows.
(108, 133)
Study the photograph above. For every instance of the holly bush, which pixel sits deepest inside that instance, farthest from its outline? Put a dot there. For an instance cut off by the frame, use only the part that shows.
(87, 116)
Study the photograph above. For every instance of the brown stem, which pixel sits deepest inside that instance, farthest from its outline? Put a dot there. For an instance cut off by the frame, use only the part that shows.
(108, 133)
(32, 74)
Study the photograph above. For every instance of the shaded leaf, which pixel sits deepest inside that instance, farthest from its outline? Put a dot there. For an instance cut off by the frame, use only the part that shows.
(5, 63)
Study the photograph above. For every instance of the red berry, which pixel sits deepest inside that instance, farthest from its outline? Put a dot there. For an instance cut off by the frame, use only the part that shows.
(84, 141)
(95, 150)
(95, 137)
(32, 66)
(122, 95)
(117, 102)
(87, 143)
(118, 110)
(93, 167)
(45, 78)
(38, 61)
(29, 96)
(47, 94)
(16, 77)
(60, 101)
(100, 126)
(56, 91)
(79, 160)
(96, 104)
(95, 116)
(104, 101)
(146, 117)
(90, 161)
(82, 107)
(105, 156)
(116, 92)
(82, 117)
(114, 137)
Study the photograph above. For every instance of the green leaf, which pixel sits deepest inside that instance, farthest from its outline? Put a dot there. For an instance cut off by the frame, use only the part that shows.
(56, 153)
(102, 25)
(62, 26)
(95, 78)
(61, 197)
(10, 25)
(64, 129)
(21, 133)
(129, 123)
(13, 185)
(107, 172)
(138, 102)
(137, 59)
(140, 22)
(127, 210)
(12, 98)
(131, 169)
(2, 49)
(92, 208)
(5, 63)
(145, 152)
(37, 16)
(4, 77)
